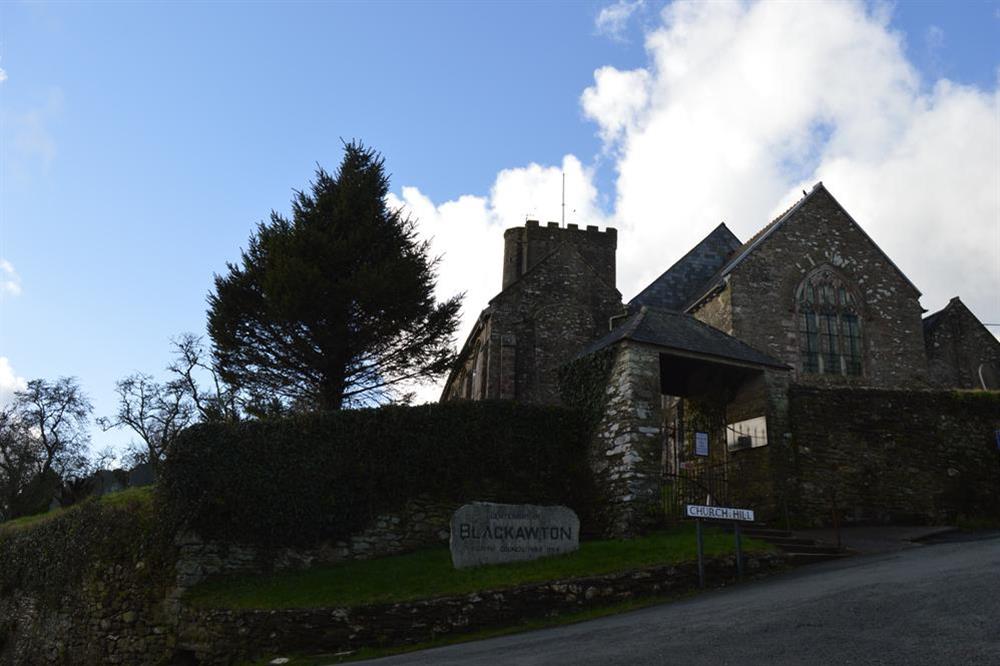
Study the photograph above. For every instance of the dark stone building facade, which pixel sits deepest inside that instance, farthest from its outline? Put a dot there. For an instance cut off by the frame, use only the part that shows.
(698, 372)
(960, 351)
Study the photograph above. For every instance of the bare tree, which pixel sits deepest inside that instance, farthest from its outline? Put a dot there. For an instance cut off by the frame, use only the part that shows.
(43, 443)
(56, 414)
(19, 460)
(155, 412)
(217, 403)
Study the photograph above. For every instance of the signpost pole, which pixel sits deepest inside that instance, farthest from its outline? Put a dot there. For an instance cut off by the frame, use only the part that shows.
(739, 551)
(701, 557)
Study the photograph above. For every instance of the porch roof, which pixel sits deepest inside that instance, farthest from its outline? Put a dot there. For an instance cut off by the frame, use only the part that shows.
(680, 332)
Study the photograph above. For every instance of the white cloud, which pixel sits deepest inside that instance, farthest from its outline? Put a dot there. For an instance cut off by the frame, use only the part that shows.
(468, 232)
(9, 381)
(3, 75)
(746, 103)
(616, 99)
(740, 107)
(10, 281)
(613, 19)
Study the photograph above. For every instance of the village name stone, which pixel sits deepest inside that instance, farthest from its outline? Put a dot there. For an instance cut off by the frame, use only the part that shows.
(489, 533)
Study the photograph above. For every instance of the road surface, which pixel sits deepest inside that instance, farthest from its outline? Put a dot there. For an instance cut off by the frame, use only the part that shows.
(932, 604)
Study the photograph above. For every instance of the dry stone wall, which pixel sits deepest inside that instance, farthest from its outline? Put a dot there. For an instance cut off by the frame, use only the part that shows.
(101, 585)
(217, 636)
(421, 523)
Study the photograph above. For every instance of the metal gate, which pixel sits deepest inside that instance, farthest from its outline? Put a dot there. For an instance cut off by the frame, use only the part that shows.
(701, 484)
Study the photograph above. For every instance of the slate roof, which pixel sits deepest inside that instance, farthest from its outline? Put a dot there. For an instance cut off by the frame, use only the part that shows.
(747, 248)
(682, 332)
(679, 283)
(955, 308)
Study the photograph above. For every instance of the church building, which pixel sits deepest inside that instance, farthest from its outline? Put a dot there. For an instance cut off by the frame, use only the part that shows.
(697, 375)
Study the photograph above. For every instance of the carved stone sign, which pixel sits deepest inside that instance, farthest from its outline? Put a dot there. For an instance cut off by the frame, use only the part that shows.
(487, 533)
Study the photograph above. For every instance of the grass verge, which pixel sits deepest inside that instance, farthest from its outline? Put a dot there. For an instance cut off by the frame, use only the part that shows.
(429, 573)
(142, 496)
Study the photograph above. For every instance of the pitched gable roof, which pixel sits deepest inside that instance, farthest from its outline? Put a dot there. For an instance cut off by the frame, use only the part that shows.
(678, 284)
(955, 309)
(761, 236)
(683, 333)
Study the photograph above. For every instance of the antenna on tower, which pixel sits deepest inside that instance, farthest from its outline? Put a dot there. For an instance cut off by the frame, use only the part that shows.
(564, 199)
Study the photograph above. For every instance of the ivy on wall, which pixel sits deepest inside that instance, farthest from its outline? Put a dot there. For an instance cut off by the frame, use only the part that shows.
(298, 481)
(583, 384)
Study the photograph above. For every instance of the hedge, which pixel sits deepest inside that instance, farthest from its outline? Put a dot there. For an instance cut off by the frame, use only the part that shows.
(298, 481)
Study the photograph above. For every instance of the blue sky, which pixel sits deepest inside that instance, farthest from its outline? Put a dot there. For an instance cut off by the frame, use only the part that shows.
(140, 143)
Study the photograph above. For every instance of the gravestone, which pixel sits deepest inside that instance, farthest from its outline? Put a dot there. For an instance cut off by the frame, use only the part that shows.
(141, 475)
(107, 481)
(488, 533)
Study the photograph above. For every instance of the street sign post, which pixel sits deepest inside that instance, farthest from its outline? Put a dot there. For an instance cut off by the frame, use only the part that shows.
(701, 512)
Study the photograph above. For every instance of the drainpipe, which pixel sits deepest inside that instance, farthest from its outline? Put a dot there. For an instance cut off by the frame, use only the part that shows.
(613, 318)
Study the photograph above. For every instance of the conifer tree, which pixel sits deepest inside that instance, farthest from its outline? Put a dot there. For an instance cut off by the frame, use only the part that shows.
(333, 307)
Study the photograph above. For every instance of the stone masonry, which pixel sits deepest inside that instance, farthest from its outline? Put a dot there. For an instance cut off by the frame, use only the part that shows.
(627, 445)
(559, 296)
(961, 352)
(757, 302)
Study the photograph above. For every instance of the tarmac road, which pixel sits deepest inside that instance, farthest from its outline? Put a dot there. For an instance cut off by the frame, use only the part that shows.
(931, 604)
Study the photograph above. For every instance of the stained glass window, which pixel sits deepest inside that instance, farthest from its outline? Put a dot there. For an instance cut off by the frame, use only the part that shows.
(829, 325)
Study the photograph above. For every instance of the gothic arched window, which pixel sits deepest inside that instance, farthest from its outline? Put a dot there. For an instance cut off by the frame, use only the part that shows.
(829, 325)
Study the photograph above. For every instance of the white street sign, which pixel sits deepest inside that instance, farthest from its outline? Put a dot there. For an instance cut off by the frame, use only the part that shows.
(719, 513)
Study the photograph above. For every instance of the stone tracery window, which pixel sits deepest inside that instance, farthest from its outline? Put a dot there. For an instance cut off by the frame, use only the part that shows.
(829, 325)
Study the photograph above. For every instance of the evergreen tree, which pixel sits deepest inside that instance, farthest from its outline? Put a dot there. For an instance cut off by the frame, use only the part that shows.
(335, 306)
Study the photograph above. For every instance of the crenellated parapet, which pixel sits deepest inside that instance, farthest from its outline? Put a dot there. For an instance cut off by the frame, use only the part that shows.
(525, 246)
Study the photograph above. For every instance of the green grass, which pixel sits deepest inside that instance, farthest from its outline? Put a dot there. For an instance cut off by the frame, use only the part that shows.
(976, 523)
(429, 573)
(141, 496)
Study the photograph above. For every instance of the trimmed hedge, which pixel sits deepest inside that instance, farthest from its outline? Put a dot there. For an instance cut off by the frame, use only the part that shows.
(301, 480)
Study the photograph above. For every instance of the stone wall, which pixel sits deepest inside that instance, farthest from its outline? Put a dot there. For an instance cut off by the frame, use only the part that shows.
(717, 311)
(422, 523)
(90, 586)
(103, 585)
(98, 585)
(217, 636)
(894, 456)
(628, 441)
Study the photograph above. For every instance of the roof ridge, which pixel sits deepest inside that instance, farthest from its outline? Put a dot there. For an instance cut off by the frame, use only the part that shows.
(720, 240)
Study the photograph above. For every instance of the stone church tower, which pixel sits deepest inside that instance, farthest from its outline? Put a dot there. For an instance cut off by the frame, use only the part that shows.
(558, 295)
